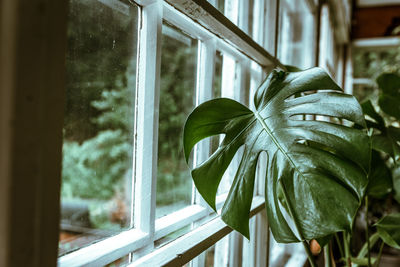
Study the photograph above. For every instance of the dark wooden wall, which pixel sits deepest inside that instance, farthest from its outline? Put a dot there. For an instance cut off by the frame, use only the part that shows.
(371, 22)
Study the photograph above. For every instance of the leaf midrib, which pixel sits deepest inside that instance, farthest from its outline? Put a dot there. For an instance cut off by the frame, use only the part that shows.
(269, 132)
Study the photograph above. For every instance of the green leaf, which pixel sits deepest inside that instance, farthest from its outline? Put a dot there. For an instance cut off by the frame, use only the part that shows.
(380, 177)
(390, 105)
(369, 110)
(389, 229)
(291, 68)
(389, 83)
(322, 165)
(387, 140)
(363, 261)
(322, 241)
(396, 183)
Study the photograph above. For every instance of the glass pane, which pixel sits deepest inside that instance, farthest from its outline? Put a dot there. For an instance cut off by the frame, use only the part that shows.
(177, 99)
(296, 35)
(99, 120)
(219, 4)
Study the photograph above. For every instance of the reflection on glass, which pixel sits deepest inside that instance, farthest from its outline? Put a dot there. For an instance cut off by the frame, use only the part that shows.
(177, 99)
(98, 125)
(296, 35)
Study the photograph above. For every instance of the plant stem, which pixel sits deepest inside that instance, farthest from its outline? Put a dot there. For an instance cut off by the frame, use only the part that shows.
(327, 255)
(346, 241)
(372, 240)
(303, 241)
(364, 249)
(366, 231)
(380, 254)
(339, 245)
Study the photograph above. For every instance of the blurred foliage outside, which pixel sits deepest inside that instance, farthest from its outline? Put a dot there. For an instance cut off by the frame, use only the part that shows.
(370, 64)
(177, 99)
(99, 114)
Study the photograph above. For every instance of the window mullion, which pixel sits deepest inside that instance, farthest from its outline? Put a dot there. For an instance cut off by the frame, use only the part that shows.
(149, 60)
(205, 73)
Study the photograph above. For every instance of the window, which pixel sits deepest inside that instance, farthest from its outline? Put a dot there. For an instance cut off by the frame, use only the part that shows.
(135, 70)
(115, 203)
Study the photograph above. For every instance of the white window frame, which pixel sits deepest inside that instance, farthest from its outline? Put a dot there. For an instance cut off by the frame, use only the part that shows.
(203, 22)
(147, 228)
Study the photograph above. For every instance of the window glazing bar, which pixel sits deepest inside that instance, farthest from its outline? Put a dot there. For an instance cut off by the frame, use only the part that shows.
(381, 43)
(187, 247)
(210, 18)
(106, 251)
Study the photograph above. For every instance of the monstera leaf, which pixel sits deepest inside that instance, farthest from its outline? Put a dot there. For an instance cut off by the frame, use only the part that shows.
(319, 166)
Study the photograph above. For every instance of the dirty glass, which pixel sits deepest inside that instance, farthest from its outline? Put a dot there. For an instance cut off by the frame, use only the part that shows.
(96, 194)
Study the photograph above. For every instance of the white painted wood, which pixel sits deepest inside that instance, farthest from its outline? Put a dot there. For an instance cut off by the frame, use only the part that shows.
(229, 49)
(149, 59)
(348, 75)
(363, 81)
(221, 252)
(176, 220)
(249, 256)
(214, 22)
(185, 23)
(376, 43)
(144, 3)
(106, 251)
(205, 73)
(185, 248)
(147, 229)
(235, 249)
(261, 239)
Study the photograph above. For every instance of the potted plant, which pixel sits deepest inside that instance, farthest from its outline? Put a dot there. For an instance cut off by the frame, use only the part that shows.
(317, 170)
